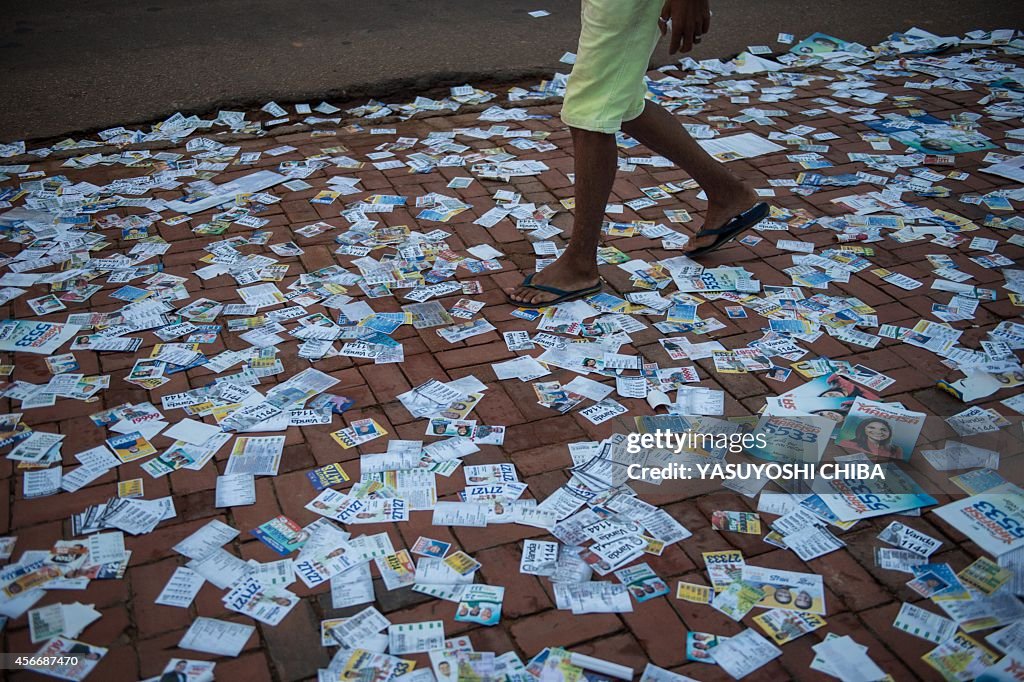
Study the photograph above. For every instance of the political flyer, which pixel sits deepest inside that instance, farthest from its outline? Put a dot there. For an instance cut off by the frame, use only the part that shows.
(830, 395)
(281, 534)
(737, 522)
(818, 43)
(737, 599)
(130, 446)
(723, 567)
(253, 599)
(397, 570)
(700, 646)
(326, 476)
(992, 519)
(791, 437)
(787, 590)
(410, 638)
(28, 336)
(481, 604)
(692, 592)
(785, 626)
(925, 133)
(880, 430)
(853, 499)
(642, 582)
(71, 659)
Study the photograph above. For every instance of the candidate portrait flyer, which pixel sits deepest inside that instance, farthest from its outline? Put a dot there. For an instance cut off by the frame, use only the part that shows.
(880, 430)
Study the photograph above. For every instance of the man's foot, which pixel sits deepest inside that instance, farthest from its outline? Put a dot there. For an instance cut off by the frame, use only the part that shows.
(558, 276)
(722, 211)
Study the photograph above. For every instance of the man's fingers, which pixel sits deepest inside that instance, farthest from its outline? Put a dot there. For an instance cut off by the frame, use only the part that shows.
(677, 36)
(687, 39)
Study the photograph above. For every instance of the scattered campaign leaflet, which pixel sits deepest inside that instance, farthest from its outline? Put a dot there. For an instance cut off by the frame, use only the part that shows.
(71, 233)
(218, 637)
(993, 519)
(880, 430)
(787, 590)
(854, 499)
(41, 338)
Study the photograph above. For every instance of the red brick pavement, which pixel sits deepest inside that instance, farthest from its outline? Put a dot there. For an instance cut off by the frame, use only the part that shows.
(862, 599)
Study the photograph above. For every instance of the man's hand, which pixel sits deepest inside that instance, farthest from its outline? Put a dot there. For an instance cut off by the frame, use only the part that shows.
(691, 19)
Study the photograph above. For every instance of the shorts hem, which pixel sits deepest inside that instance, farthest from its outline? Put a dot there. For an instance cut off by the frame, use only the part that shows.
(608, 127)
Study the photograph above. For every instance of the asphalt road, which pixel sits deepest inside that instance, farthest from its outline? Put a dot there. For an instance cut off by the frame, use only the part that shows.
(72, 66)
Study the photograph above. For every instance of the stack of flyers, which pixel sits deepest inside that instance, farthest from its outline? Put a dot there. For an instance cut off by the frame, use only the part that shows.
(12, 430)
(17, 579)
(360, 431)
(38, 447)
(700, 646)
(744, 653)
(480, 604)
(740, 522)
(359, 627)
(336, 403)
(461, 332)
(642, 582)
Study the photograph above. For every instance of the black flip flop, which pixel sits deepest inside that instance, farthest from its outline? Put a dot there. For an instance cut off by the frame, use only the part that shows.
(732, 229)
(562, 295)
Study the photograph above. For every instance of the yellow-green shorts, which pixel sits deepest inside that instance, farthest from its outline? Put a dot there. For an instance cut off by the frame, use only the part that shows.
(607, 86)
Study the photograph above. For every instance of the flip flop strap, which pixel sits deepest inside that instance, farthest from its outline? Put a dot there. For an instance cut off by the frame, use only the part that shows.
(724, 229)
(554, 290)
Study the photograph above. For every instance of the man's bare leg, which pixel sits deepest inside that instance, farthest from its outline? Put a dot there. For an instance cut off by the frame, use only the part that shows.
(728, 196)
(576, 268)
(595, 163)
